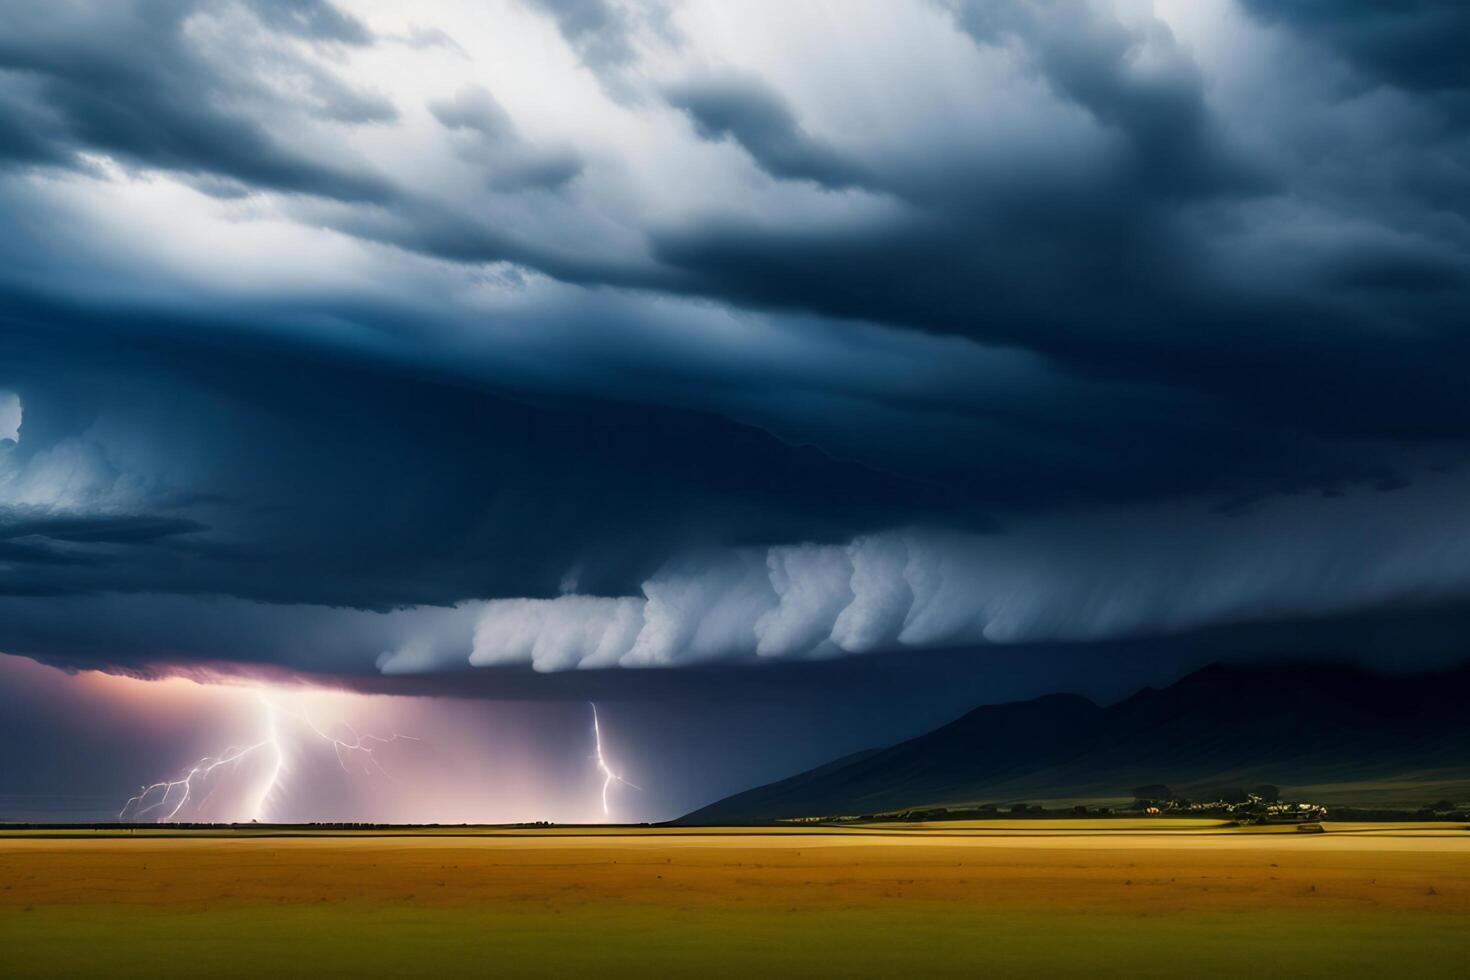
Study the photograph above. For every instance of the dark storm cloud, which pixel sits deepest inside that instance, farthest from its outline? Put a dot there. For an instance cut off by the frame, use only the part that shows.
(744, 109)
(1045, 256)
(1113, 268)
(1089, 57)
(1136, 265)
(21, 553)
(23, 125)
(88, 529)
(1416, 44)
(361, 487)
(128, 79)
(576, 366)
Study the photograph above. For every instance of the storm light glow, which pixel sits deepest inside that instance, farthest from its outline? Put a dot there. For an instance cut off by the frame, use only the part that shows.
(238, 749)
(188, 796)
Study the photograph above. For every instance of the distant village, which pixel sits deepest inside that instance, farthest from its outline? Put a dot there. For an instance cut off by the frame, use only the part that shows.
(1261, 805)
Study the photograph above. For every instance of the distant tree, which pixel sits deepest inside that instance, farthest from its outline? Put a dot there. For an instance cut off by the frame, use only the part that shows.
(1079, 810)
(1442, 806)
(1234, 794)
(1267, 792)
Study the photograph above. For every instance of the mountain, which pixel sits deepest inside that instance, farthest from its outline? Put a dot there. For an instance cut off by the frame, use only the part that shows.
(1339, 729)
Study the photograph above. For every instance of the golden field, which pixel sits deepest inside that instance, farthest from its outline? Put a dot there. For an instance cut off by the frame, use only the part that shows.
(1035, 898)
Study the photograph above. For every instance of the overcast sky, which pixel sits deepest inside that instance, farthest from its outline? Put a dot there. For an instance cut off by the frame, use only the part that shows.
(393, 339)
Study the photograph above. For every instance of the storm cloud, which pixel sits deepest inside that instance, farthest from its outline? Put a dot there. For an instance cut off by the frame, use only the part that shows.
(744, 110)
(192, 87)
(618, 334)
(1063, 579)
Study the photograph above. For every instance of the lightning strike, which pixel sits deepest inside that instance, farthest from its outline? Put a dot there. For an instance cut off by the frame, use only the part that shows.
(167, 798)
(609, 776)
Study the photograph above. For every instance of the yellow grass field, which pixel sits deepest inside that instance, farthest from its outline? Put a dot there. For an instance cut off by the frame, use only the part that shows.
(1034, 899)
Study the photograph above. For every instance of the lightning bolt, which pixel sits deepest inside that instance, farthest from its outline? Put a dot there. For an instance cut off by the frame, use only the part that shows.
(608, 775)
(167, 798)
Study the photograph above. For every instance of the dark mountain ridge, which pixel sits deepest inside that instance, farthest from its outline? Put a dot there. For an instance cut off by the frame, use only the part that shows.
(1224, 725)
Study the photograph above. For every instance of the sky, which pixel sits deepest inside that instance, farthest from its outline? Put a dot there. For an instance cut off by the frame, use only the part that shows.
(781, 378)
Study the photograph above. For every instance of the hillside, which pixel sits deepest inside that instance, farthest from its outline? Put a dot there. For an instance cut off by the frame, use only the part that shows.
(1294, 725)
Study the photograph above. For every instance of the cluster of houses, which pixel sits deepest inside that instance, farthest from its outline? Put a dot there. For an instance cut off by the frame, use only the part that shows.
(1261, 806)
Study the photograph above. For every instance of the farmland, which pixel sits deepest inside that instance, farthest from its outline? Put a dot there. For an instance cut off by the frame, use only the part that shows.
(1034, 898)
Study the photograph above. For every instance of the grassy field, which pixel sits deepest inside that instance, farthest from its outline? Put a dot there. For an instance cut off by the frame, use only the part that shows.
(1183, 899)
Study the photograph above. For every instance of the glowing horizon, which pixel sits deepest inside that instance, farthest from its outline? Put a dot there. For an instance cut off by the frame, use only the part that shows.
(292, 752)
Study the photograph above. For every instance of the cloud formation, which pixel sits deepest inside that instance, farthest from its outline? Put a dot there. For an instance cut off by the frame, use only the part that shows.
(12, 413)
(490, 137)
(203, 101)
(637, 339)
(746, 111)
(1068, 579)
(1414, 45)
